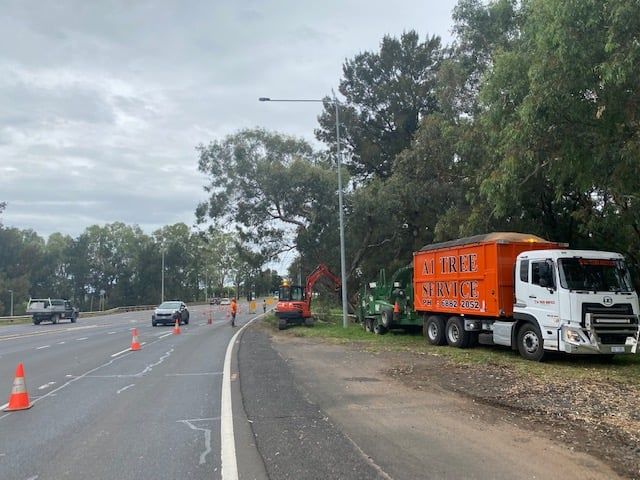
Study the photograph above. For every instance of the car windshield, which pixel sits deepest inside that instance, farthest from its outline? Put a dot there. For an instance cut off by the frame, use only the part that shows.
(599, 275)
(170, 305)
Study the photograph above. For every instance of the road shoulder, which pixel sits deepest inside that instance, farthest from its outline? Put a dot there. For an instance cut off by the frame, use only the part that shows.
(294, 436)
(428, 432)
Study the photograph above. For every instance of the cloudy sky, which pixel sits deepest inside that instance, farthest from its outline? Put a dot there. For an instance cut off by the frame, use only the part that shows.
(102, 103)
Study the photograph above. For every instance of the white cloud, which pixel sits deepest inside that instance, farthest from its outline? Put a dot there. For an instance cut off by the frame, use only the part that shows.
(104, 102)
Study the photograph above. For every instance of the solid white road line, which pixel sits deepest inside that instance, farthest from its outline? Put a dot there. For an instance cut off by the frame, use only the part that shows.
(165, 334)
(229, 462)
(121, 352)
(43, 346)
(81, 338)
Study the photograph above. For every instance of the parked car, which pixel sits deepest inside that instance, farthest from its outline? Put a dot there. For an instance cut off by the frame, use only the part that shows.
(51, 310)
(215, 301)
(225, 301)
(169, 312)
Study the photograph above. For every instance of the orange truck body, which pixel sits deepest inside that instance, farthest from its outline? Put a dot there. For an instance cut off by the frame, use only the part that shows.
(474, 278)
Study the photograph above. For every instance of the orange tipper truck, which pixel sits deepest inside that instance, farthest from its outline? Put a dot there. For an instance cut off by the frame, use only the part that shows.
(526, 293)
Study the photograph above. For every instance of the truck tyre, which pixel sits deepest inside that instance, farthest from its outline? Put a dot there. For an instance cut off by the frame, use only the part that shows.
(433, 330)
(386, 317)
(54, 318)
(282, 324)
(379, 328)
(74, 317)
(308, 322)
(530, 342)
(36, 321)
(456, 334)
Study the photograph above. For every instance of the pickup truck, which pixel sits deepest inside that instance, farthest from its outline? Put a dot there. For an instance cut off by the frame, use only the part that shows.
(51, 310)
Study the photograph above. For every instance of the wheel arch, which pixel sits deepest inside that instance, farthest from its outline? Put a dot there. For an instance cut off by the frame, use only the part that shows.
(520, 320)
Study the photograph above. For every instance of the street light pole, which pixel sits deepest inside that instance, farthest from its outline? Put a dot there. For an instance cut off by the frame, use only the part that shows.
(162, 288)
(11, 292)
(343, 268)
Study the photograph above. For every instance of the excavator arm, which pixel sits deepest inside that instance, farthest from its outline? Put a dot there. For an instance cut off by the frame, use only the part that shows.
(320, 271)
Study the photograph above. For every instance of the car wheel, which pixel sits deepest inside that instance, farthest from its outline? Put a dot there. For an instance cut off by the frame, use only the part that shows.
(154, 323)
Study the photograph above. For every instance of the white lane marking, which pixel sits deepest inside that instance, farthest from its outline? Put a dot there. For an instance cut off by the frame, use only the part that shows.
(229, 470)
(46, 385)
(207, 439)
(146, 369)
(124, 388)
(61, 343)
(35, 477)
(121, 352)
(53, 392)
(81, 338)
(110, 333)
(165, 335)
(43, 346)
(190, 374)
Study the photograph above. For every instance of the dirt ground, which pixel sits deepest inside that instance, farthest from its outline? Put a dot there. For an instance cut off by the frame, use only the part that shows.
(599, 416)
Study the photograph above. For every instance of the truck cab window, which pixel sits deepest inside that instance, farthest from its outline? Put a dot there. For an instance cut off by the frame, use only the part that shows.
(542, 274)
(524, 270)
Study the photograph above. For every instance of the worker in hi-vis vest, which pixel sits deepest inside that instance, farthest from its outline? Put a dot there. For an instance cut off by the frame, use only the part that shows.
(234, 311)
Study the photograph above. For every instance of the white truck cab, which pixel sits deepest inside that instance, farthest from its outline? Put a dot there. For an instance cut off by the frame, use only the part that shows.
(582, 301)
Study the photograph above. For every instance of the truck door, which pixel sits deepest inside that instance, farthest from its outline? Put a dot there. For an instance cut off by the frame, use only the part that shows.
(542, 299)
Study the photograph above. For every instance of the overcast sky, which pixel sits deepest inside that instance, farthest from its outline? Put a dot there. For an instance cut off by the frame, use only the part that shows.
(103, 102)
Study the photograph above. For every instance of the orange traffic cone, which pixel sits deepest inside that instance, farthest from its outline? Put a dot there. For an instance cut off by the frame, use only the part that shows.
(135, 345)
(19, 398)
(210, 320)
(176, 329)
(396, 311)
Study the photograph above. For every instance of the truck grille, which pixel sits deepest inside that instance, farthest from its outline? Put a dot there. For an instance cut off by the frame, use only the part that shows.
(612, 325)
(602, 311)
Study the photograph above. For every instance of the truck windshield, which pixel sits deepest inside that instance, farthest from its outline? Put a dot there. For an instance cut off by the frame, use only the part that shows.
(599, 275)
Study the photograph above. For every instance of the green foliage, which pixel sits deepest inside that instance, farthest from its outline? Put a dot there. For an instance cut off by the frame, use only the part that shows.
(278, 192)
(386, 93)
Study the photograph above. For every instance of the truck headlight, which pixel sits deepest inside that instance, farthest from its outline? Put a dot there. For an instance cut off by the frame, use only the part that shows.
(572, 336)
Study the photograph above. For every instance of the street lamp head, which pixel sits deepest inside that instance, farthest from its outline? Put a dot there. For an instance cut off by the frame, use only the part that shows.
(264, 99)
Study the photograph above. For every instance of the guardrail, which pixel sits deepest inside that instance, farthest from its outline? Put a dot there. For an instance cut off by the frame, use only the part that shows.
(131, 308)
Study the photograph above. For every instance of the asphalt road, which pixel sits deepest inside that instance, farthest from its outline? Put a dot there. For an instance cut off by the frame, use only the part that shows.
(101, 411)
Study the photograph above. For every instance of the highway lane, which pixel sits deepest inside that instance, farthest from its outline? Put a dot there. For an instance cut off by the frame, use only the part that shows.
(104, 412)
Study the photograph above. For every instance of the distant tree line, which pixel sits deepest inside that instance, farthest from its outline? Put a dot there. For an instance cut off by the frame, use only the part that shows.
(126, 264)
(528, 121)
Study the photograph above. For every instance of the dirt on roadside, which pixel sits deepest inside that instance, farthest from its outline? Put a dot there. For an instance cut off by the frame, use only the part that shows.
(598, 416)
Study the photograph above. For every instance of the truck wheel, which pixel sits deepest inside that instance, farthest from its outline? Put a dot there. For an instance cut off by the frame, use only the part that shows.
(309, 322)
(379, 329)
(74, 317)
(54, 319)
(456, 334)
(282, 324)
(530, 342)
(386, 317)
(433, 330)
(36, 321)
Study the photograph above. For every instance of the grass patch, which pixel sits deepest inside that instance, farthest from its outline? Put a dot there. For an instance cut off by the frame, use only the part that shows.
(624, 369)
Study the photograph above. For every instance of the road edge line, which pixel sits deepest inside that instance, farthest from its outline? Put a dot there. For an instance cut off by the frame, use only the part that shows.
(229, 461)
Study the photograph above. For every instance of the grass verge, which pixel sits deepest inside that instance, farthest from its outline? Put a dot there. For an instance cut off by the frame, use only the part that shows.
(624, 369)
